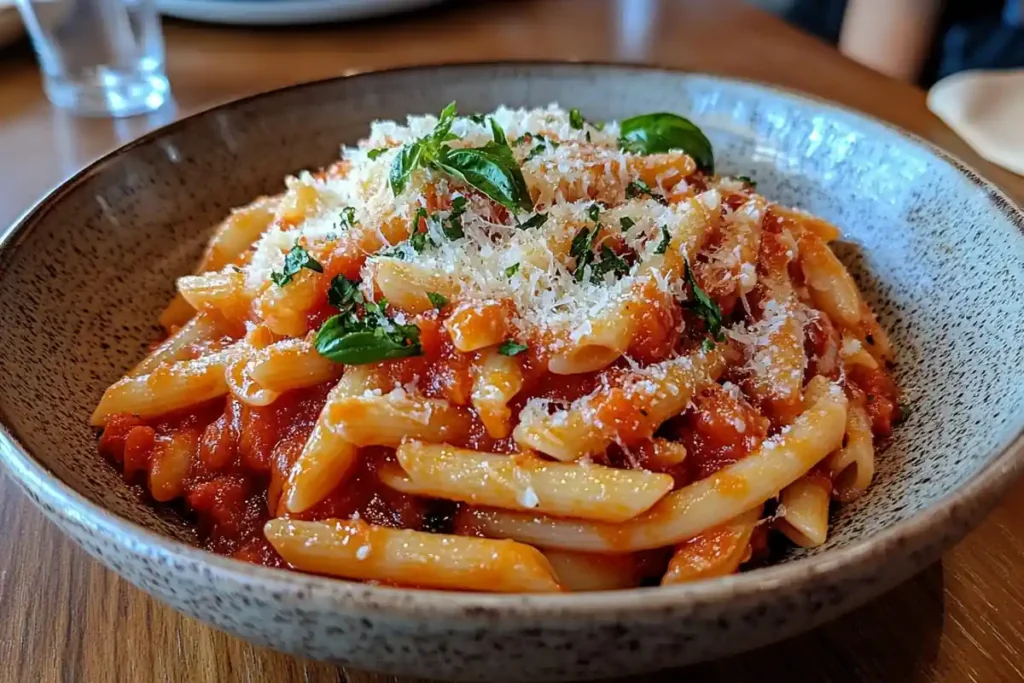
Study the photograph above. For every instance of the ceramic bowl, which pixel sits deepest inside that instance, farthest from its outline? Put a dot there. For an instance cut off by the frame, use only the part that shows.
(939, 251)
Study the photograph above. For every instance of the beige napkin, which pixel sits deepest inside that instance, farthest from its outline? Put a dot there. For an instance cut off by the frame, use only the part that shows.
(986, 108)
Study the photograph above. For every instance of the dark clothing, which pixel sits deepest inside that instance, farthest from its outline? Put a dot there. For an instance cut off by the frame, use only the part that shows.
(977, 34)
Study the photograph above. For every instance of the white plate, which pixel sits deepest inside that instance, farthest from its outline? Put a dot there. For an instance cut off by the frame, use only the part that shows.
(11, 27)
(270, 12)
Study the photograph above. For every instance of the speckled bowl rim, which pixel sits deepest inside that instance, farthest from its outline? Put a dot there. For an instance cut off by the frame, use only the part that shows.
(983, 490)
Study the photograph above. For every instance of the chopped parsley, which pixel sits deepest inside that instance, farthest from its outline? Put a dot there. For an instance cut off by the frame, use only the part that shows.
(297, 259)
(477, 118)
(705, 309)
(452, 226)
(344, 294)
(511, 347)
(626, 223)
(349, 216)
(536, 151)
(639, 188)
(534, 221)
(594, 212)
(576, 119)
(610, 263)
(512, 270)
(665, 240)
(438, 301)
(748, 180)
(582, 249)
(374, 153)
(419, 240)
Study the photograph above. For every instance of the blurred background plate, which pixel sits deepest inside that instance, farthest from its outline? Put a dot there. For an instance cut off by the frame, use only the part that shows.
(11, 28)
(271, 12)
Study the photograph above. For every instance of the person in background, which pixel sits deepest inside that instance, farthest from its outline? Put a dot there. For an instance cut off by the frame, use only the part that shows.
(918, 40)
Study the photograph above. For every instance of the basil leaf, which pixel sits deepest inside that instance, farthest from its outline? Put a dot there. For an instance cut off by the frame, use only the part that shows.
(536, 151)
(374, 153)
(748, 180)
(708, 345)
(491, 169)
(665, 240)
(444, 123)
(576, 119)
(477, 118)
(638, 188)
(534, 221)
(594, 212)
(403, 165)
(297, 259)
(344, 294)
(626, 223)
(349, 216)
(438, 301)
(335, 342)
(662, 132)
(703, 306)
(512, 270)
(610, 263)
(511, 347)
(498, 133)
(452, 226)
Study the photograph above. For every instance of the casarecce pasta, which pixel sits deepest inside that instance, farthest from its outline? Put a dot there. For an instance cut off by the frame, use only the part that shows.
(514, 352)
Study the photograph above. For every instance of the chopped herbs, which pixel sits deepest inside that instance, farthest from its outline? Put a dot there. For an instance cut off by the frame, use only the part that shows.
(512, 270)
(661, 132)
(349, 216)
(748, 180)
(594, 212)
(582, 249)
(297, 259)
(610, 263)
(438, 301)
(374, 153)
(534, 221)
(665, 240)
(708, 345)
(477, 118)
(492, 169)
(418, 240)
(452, 226)
(626, 223)
(536, 151)
(344, 294)
(576, 119)
(639, 188)
(702, 305)
(356, 339)
(510, 347)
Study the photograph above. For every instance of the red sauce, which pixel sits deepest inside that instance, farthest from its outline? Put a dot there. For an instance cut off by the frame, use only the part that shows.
(720, 431)
(879, 394)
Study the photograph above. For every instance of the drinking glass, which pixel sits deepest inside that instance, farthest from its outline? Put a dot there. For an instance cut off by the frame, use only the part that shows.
(99, 57)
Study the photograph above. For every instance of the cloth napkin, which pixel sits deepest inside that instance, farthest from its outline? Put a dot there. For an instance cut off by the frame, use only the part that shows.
(986, 109)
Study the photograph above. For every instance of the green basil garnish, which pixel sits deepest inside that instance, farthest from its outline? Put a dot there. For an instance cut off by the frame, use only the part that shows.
(492, 169)
(511, 347)
(663, 132)
(665, 240)
(534, 221)
(438, 301)
(354, 340)
(702, 305)
(297, 259)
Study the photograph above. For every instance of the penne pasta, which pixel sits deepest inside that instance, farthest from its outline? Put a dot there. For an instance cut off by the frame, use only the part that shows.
(496, 382)
(406, 285)
(524, 482)
(803, 511)
(327, 458)
(291, 364)
(222, 293)
(590, 572)
(199, 330)
(357, 550)
(390, 419)
(169, 388)
(718, 551)
(852, 466)
(684, 513)
(591, 424)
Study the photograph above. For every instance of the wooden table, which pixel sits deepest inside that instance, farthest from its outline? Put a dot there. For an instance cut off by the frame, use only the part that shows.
(65, 618)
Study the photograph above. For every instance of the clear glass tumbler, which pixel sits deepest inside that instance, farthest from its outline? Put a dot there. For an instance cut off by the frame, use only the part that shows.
(99, 57)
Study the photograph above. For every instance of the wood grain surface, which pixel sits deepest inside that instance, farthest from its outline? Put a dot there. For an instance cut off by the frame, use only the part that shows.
(65, 618)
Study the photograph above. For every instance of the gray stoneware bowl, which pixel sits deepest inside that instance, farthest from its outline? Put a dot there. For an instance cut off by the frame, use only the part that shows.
(939, 250)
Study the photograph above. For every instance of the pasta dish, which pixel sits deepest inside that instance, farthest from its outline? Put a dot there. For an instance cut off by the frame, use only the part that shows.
(514, 352)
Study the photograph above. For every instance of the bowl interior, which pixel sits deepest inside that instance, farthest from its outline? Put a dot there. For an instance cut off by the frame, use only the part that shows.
(939, 253)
